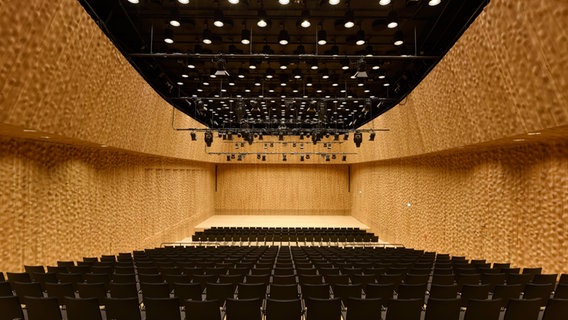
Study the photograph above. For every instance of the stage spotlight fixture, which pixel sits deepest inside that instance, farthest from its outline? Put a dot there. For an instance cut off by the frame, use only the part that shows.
(333, 156)
(433, 3)
(307, 157)
(245, 36)
(357, 138)
(220, 62)
(301, 158)
(263, 157)
(234, 1)
(372, 136)
(218, 18)
(258, 156)
(207, 36)
(168, 36)
(398, 40)
(361, 69)
(349, 19)
(284, 157)
(193, 136)
(228, 158)
(384, 2)
(283, 37)
(262, 18)
(360, 38)
(281, 136)
(327, 157)
(208, 138)
(322, 37)
(284, 2)
(344, 158)
(392, 21)
(305, 19)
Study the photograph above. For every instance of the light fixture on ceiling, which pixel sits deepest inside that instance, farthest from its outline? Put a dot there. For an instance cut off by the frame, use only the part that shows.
(207, 36)
(284, 2)
(218, 18)
(384, 2)
(221, 71)
(283, 63)
(334, 2)
(234, 1)
(433, 3)
(262, 18)
(183, 1)
(369, 52)
(313, 64)
(283, 37)
(398, 39)
(361, 69)
(360, 38)
(174, 18)
(253, 64)
(349, 19)
(322, 36)
(269, 73)
(345, 64)
(297, 74)
(305, 19)
(324, 73)
(168, 36)
(241, 73)
(245, 36)
(134, 1)
(392, 20)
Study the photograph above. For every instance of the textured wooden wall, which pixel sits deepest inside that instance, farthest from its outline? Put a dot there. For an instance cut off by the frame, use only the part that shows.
(61, 202)
(504, 205)
(60, 75)
(282, 189)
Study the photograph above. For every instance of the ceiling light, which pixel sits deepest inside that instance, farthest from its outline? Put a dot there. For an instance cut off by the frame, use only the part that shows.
(262, 19)
(252, 64)
(334, 2)
(183, 1)
(325, 74)
(283, 37)
(360, 38)
(284, 2)
(384, 2)
(432, 3)
(349, 19)
(245, 36)
(269, 73)
(345, 64)
(314, 64)
(207, 37)
(398, 38)
(168, 36)
(233, 1)
(241, 73)
(392, 21)
(305, 19)
(174, 22)
(218, 18)
(297, 74)
(283, 63)
(134, 1)
(322, 37)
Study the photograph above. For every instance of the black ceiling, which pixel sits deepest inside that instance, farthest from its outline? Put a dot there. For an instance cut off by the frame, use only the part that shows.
(249, 99)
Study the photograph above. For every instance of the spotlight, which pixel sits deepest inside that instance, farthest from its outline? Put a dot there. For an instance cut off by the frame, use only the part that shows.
(357, 138)
(258, 156)
(392, 20)
(334, 2)
(384, 2)
(245, 36)
(234, 1)
(372, 136)
(168, 36)
(218, 18)
(269, 73)
(283, 37)
(305, 19)
(349, 19)
(322, 37)
(333, 156)
(433, 3)
(208, 138)
(284, 2)
(262, 19)
(360, 38)
(398, 40)
(207, 36)
(345, 64)
(193, 136)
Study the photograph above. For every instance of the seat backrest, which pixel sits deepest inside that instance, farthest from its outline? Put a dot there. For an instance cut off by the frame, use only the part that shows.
(538, 290)
(5, 289)
(219, 291)
(344, 291)
(202, 310)
(162, 308)
(408, 309)
(122, 308)
(474, 291)
(283, 291)
(561, 291)
(18, 277)
(523, 309)
(377, 290)
(447, 309)
(92, 290)
(123, 290)
(42, 308)
(60, 291)
(251, 290)
(27, 289)
(155, 290)
(545, 278)
(83, 308)
(315, 290)
(283, 309)
(506, 292)
(11, 308)
(556, 309)
(184, 291)
(411, 291)
(243, 309)
(329, 309)
(362, 309)
(483, 309)
(443, 291)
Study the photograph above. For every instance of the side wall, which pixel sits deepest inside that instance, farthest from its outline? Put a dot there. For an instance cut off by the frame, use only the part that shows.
(63, 203)
(282, 189)
(504, 205)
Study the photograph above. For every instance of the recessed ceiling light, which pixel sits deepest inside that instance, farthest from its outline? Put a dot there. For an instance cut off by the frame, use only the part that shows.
(185, 76)
(183, 1)
(334, 2)
(284, 2)
(233, 1)
(432, 3)
(175, 23)
(134, 1)
(384, 2)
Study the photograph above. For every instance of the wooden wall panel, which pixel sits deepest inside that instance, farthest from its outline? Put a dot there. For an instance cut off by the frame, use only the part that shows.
(60, 75)
(282, 189)
(62, 202)
(507, 204)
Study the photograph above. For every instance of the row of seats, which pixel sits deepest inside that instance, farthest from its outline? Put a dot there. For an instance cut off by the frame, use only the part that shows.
(392, 276)
(279, 235)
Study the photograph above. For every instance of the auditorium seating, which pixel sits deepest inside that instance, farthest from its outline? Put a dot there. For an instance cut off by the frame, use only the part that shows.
(191, 281)
(273, 235)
